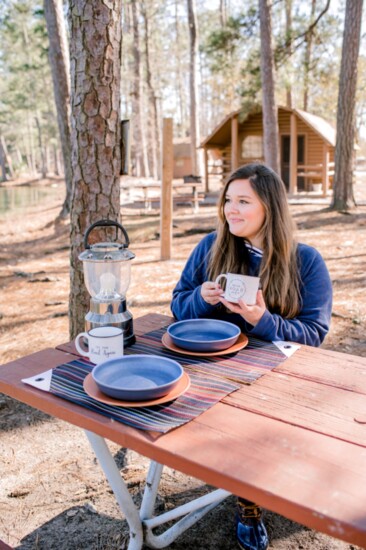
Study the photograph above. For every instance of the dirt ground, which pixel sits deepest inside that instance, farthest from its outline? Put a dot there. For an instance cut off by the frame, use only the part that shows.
(53, 494)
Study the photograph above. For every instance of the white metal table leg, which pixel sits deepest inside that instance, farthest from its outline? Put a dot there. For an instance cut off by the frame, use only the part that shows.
(151, 490)
(192, 511)
(119, 488)
(141, 524)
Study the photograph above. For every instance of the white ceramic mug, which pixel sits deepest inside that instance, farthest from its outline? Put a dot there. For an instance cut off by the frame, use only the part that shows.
(240, 287)
(103, 343)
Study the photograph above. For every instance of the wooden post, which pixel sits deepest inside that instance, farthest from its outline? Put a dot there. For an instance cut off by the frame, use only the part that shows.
(205, 166)
(166, 199)
(125, 147)
(325, 170)
(293, 155)
(234, 143)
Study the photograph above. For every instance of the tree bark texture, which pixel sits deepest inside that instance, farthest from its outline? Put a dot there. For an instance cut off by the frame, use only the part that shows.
(270, 115)
(41, 147)
(139, 129)
(6, 158)
(307, 60)
(60, 68)
(95, 55)
(343, 198)
(154, 137)
(288, 12)
(2, 162)
(223, 13)
(193, 84)
(30, 143)
(182, 103)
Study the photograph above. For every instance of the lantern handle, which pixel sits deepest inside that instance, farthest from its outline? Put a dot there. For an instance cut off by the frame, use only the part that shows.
(106, 223)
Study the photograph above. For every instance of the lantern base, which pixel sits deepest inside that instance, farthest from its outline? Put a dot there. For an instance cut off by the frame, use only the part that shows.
(111, 314)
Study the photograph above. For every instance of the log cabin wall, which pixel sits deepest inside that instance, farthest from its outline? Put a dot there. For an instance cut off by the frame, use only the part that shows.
(314, 147)
(251, 127)
(313, 143)
(226, 162)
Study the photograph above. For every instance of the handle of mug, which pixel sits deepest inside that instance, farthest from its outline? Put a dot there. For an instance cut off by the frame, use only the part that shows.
(220, 276)
(81, 350)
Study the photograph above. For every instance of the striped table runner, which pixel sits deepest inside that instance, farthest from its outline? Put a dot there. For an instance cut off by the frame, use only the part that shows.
(244, 367)
(211, 380)
(67, 382)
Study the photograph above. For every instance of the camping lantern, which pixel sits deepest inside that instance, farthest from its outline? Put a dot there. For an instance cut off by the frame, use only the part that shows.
(107, 274)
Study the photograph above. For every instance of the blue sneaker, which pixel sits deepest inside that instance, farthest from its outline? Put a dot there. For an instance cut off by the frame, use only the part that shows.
(251, 533)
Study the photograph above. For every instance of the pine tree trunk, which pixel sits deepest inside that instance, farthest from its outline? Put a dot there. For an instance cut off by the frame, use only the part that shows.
(153, 109)
(288, 10)
(19, 156)
(95, 48)
(179, 77)
(193, 84)
(28, 153)
(343, 198)
(60, 69)
(32, 154)
(270, 115)
(139, 128)
(55, 160)
(307, 61)
(223, 13)
(2, 162)
(41, 148)
(6, 159)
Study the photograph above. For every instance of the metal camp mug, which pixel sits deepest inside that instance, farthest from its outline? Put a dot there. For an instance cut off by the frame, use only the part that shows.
(239, 287)
(103, 343)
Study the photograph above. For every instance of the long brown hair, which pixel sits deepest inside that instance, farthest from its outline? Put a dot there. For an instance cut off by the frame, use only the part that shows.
(279, 272)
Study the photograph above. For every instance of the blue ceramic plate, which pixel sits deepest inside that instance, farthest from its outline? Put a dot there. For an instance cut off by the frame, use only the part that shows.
(137, 377)
(203, 334)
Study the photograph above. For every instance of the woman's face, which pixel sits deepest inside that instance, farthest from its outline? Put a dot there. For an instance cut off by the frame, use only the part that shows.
(244, 212)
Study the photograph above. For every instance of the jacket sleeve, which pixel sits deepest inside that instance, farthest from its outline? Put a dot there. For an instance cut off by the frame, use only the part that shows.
(187, 302)
(312, 323)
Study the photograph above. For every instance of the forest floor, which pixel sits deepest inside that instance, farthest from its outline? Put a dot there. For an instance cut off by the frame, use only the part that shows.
(53, 495)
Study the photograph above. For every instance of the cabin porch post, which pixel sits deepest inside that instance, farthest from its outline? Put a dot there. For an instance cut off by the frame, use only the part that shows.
(293, 155)
(325, 170)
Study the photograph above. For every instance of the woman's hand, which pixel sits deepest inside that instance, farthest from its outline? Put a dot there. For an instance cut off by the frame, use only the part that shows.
(251, 314)
(211, 292)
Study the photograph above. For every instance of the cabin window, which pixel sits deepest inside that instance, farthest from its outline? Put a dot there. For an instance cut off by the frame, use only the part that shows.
(252, 147)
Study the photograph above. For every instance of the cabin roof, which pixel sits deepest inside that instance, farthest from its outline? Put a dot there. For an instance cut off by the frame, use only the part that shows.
(319, 125)
(222, 133)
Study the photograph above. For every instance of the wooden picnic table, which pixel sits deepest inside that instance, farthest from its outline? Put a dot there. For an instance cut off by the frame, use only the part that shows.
(187, 192)
(294, 441)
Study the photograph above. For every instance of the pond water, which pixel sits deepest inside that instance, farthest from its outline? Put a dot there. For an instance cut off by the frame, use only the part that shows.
(16, 199)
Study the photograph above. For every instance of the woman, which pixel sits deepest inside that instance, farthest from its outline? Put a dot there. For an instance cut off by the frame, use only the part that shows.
(255, 237)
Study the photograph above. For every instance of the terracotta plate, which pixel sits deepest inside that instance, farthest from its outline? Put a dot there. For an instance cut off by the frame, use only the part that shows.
(93, 391)
(241, 342)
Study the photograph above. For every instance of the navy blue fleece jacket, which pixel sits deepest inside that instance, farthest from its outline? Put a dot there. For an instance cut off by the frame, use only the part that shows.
(309, 327)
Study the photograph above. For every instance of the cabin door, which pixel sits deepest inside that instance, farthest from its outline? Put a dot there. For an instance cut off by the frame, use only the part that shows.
(285, 160)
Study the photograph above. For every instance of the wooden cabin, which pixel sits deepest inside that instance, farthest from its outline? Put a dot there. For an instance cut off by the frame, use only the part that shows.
(307, 144)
